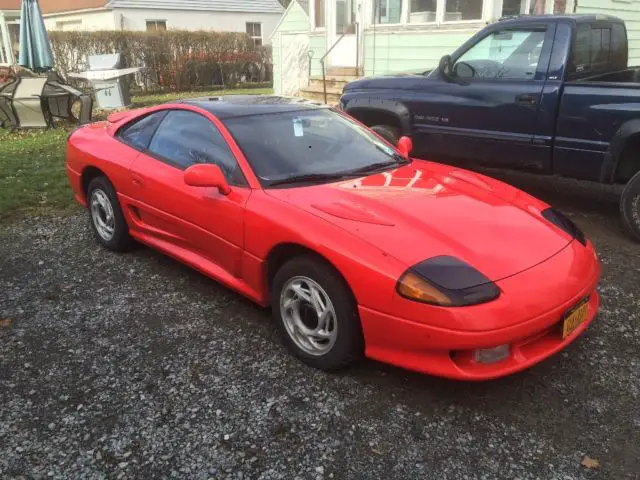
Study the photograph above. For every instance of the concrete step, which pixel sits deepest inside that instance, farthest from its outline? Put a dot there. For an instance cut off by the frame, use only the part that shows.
(344, 71)
(331, 81)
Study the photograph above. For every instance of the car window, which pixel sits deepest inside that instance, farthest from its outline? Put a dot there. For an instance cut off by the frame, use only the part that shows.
(187, 138)
(139, 133)
(506, 54)
(307, 142)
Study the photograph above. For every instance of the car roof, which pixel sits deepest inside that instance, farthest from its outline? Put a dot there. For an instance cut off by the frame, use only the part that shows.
(576, 18)
(231, 106)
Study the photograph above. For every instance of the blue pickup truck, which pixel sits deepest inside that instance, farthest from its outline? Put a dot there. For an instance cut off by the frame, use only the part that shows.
(551, 94)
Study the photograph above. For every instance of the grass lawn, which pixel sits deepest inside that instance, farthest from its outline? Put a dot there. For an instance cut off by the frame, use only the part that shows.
(32, 164)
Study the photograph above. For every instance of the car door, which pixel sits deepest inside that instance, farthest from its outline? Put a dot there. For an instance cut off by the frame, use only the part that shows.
(488, 111)
(192, 222)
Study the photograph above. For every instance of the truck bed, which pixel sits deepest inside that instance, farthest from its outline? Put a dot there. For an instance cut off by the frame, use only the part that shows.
(630, 75)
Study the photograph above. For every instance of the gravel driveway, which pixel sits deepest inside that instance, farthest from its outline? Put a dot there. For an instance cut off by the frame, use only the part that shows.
(134, 366)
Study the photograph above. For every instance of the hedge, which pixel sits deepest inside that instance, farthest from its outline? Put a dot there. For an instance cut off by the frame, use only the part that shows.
(170, 60)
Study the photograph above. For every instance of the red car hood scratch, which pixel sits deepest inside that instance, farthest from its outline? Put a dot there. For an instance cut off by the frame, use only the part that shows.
(424, 210)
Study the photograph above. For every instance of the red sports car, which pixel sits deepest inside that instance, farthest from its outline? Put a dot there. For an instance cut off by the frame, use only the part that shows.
(358, 248)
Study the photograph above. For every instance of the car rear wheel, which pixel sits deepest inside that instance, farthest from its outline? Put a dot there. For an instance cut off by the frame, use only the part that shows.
(389, 133)
(107, 220)
(630, 207)
(316, 314)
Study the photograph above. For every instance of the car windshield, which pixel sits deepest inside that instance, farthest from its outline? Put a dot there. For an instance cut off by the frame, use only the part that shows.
(309, 146)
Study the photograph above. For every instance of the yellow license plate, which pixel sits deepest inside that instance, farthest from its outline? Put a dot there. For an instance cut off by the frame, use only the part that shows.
(575, 319)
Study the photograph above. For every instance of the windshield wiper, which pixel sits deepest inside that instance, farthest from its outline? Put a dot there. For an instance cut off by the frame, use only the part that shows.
(310, 177)
(374, 167)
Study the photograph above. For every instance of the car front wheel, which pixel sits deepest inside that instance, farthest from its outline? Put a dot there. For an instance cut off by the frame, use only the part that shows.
(630, 207)
(316, 314)
(107, 220)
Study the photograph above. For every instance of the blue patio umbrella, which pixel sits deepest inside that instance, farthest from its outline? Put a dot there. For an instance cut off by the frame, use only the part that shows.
(35, 49)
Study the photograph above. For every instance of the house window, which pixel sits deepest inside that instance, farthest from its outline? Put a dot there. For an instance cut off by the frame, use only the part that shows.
(254, 30)
(513, 7)
(458, 10)
(14, 32)
(319, 13)
(387, 11)
(155, 25)
(422, 11)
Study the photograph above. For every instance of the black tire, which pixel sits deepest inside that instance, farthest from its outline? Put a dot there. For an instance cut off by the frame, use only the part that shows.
(349, 343)
(389, 133)
(120, 241)
(630, 207)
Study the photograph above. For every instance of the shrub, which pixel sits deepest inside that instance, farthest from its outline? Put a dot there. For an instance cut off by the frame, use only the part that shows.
(174, 60)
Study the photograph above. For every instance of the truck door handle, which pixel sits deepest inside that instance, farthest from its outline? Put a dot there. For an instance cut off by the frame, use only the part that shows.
(527, 99)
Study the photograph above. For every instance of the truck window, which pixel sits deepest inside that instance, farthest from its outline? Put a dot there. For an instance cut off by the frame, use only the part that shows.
(505, 54)
(598, 48)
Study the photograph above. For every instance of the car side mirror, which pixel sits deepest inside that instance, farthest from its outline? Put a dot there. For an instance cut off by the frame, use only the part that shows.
(207, 175)
(446, 67)
(405, 146)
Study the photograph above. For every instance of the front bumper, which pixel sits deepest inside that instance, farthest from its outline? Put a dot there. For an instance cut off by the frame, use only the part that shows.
(426, 348)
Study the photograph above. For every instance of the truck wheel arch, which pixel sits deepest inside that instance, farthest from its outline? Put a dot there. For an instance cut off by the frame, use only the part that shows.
(361, 108)
(619, 166)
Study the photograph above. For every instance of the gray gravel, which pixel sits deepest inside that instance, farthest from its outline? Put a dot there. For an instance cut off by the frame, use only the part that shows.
(134, 366)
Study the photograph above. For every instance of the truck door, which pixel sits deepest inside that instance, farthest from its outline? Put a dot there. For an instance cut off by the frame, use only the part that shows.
(487, 112)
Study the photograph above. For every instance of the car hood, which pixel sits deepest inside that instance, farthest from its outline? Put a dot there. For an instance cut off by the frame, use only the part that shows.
(423, 210)
(399, 81)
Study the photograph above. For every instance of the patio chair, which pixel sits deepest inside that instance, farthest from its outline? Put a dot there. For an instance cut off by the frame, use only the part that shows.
(7, 115)
(28, 103)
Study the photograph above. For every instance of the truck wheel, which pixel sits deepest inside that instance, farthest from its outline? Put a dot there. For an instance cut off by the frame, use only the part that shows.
(630, 207)
(389, 133)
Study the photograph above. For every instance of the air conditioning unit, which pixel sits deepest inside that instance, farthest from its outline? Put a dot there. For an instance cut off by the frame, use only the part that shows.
(422, 17)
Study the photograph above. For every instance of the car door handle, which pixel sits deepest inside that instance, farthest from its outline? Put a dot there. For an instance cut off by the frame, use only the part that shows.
(137, 181)
(527, 99)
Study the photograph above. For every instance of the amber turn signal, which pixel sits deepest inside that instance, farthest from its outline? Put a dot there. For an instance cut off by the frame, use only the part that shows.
(414, 287)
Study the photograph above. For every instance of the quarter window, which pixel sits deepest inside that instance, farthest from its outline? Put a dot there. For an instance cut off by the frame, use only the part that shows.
(139, 134)
(187, 138)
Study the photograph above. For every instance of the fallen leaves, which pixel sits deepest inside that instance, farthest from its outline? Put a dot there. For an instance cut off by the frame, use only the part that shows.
(5, 322)
(590, 463)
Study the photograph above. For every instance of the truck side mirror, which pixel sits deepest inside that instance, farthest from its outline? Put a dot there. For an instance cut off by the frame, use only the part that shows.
(446, 67)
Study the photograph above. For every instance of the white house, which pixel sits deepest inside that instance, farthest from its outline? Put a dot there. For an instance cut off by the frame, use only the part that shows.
(258, 18)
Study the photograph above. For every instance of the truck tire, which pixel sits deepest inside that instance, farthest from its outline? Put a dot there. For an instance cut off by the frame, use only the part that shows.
(389, 133)
(630, 207)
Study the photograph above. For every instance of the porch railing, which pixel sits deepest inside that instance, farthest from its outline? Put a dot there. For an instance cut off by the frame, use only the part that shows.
(322, 60)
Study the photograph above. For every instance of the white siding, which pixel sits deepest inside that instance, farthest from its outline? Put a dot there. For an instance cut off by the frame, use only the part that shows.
(263, 6)
(98, 20)
(136, 19)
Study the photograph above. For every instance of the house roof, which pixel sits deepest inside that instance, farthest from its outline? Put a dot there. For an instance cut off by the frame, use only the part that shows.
(57, 6)
(305, 5)
(10, 4)
(253, 6)
(54, 6)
